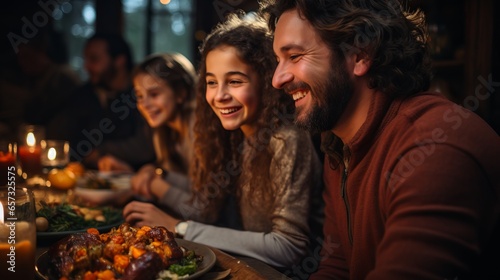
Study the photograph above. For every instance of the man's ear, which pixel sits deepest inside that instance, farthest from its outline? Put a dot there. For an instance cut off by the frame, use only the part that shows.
(362, 64)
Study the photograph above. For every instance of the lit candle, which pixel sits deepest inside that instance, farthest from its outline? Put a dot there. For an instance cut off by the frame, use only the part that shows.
(51, 154)
(30, 156)
(50, 158)
(1, 214)
(23, 265)
(30, 139)
(17, 235)
(55, 154)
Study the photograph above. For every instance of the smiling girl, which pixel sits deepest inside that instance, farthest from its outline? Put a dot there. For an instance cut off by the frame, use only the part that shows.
(164, 86)
(247, 151)
(165, 90)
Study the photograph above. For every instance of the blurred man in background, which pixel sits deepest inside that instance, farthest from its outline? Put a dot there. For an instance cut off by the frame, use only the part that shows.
(101, 117)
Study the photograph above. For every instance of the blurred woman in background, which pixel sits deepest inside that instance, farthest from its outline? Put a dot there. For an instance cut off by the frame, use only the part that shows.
(164, 87)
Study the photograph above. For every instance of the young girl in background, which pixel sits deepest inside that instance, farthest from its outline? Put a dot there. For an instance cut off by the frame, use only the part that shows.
(245, 148)
(164, 86)
(165, 89)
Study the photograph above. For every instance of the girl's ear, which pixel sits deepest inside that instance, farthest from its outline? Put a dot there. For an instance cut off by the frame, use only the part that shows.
(362, 64)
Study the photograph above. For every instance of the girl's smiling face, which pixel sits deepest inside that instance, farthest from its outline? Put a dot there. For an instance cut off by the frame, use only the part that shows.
(233, 89)
(155, 100)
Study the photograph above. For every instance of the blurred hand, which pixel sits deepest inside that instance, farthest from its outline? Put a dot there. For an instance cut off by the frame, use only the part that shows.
(110, 163)
(147, 184)
(146, 214)
(141, 181)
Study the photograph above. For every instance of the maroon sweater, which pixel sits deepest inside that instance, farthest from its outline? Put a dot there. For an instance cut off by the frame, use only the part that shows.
(419, 197)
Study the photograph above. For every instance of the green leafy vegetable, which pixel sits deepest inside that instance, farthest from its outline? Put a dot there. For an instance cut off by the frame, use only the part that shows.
(182, 270)
(64, 217)
(187, 265)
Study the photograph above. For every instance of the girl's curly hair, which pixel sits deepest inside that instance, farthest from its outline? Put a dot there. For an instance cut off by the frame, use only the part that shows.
(394, 39)
(217, 152)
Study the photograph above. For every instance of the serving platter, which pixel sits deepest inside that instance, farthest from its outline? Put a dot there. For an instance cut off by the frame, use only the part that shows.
(43, 262)
(49, 237)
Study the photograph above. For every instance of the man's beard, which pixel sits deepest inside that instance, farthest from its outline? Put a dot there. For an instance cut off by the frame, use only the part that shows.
(330, 98)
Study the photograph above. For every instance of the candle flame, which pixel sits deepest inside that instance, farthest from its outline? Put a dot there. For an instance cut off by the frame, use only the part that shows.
(51, 154)
(1, 213)
(30, 139)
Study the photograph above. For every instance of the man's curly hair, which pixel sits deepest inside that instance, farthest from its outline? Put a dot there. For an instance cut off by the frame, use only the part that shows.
(394, 39)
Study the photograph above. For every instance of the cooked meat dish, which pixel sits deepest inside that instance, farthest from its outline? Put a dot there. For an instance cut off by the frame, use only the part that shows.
(123, 253)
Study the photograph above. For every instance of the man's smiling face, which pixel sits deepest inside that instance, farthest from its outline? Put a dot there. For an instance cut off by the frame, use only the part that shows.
(310, 72)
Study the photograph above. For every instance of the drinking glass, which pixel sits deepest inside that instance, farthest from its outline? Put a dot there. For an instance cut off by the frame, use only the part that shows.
(17, 232)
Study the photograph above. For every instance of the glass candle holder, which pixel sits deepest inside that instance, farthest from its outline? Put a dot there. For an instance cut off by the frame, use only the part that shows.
(55, 154)
(30, 151)
(17, 233)
(8, 159)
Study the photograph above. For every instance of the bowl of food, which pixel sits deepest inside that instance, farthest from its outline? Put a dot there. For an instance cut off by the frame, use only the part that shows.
(56, 220)
(99, 188)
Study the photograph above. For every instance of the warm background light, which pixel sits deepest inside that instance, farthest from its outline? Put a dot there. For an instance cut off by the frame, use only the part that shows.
(164, 2)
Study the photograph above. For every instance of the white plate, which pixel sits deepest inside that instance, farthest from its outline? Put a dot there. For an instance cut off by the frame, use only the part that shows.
(120, 188)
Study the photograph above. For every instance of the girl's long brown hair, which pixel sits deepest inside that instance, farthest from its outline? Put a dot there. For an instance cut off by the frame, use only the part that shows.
(218, 154)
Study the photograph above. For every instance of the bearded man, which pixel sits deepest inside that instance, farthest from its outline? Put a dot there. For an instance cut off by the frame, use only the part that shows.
(412, 187)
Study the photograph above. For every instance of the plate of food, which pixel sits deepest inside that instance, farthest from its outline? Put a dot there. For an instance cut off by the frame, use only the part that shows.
(57, 220)
(125, 252)
(99, 188)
